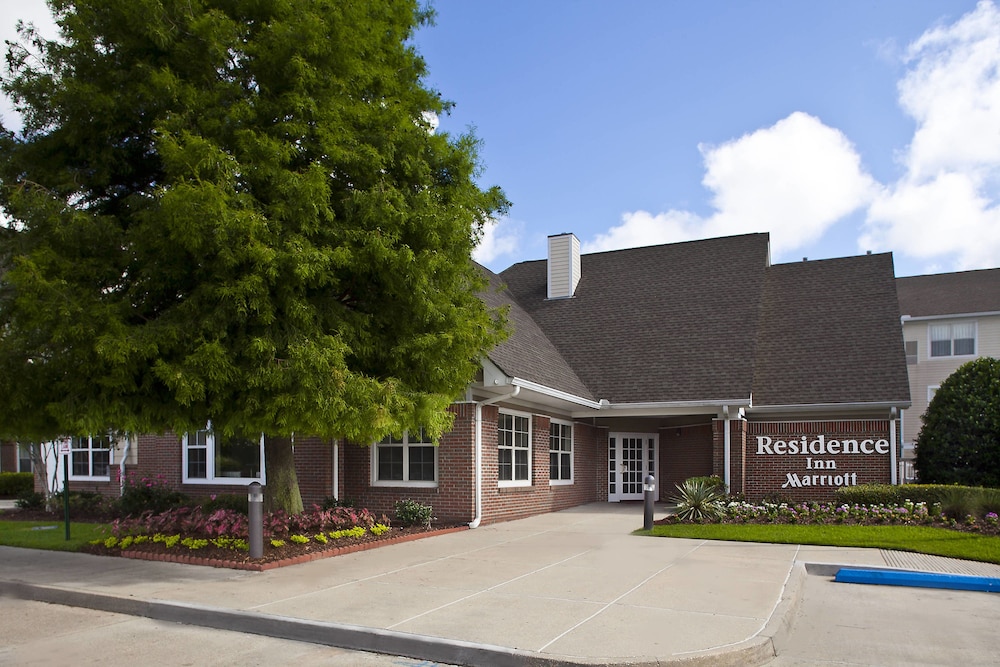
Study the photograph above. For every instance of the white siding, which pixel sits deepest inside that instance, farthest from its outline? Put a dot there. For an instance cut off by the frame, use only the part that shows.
(563, 266)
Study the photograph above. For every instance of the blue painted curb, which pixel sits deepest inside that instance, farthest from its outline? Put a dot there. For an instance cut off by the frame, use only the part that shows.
(958, 582)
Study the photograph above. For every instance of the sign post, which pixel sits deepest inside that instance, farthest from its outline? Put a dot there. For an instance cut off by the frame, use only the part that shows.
(64, 450)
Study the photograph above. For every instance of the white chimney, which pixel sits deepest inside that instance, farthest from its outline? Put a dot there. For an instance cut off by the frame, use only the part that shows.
(564, 265)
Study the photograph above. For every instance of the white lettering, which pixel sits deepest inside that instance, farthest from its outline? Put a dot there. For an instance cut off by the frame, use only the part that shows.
(817, 446)
(763, 447)
(866, 447)
(882, 446)
(792, 480)
(833, 447)
(850, 446)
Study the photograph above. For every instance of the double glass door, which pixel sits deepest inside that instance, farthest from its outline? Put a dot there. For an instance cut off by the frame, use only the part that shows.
(631, 456)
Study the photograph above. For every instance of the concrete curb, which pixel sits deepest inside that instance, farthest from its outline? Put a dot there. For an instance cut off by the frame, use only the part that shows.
(757, 650)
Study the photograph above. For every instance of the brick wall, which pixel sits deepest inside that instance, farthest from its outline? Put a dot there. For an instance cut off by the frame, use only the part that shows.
(767, 473)
(684, 452)
(737, 452)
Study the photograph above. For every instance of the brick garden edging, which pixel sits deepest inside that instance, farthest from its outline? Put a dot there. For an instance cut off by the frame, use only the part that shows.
(188, 559)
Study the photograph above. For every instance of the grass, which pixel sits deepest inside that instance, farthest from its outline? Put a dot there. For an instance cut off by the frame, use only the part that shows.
(49, 535)
(919, 539)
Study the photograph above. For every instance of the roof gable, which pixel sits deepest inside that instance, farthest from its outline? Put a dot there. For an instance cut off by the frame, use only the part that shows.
(949, 293)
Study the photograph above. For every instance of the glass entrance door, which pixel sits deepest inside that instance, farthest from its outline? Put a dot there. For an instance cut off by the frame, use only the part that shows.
(631, 456)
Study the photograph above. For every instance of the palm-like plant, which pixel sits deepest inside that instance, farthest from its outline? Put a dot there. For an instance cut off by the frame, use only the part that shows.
(698, 500)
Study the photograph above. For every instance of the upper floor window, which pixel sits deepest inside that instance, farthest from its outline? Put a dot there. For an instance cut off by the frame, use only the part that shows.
(410, 460)
(209, 458)
(24, 458)
(953, 340)
(91, 457)
(560, 452)
(514, 449)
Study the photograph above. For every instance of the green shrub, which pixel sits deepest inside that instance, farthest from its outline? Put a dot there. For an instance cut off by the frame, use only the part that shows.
(887, 494)
(142, 494)
(713, 481)
(699, 499)
(412, 513)
(989, 501)
(959, 442)
(330, 502)
(87, 502)
(13, 484)
(960, 502)
(237, 502)
(30, 500)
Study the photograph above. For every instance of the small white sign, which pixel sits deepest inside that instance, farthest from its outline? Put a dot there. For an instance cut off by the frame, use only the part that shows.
(64, 448)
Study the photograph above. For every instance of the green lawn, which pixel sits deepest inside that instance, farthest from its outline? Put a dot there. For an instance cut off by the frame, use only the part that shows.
(920, 539)
(49, 535)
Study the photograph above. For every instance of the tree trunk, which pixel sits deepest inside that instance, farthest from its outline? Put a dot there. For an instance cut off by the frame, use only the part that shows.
(282, 490)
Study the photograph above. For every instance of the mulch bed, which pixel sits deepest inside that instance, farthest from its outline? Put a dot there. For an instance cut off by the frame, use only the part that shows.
(288, 554)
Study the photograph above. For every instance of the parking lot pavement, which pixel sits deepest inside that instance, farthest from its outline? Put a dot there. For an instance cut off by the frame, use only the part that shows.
(41, 634)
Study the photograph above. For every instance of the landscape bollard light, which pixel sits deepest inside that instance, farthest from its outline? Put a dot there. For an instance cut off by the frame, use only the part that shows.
(648, 487)
(255, 500)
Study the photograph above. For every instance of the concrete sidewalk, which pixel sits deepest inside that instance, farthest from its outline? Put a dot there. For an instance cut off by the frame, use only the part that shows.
(571, 587)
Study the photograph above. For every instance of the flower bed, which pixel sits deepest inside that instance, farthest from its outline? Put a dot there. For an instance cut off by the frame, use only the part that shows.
(916, 514)
(220, 538)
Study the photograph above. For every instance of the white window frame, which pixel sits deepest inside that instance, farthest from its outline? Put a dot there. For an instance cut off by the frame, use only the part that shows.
(931, 390)
(90, 449)
(210, 476)
(503, 483)
(405, 482)
(951, 339)
(561, 452)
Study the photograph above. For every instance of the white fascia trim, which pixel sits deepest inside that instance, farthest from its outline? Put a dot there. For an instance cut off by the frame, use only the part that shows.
(831, 407)
(663, 405)
(554, 393)
(950, 316)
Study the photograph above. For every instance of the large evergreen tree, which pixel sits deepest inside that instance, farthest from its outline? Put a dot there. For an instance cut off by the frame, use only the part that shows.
(236, 211)
(959, 442)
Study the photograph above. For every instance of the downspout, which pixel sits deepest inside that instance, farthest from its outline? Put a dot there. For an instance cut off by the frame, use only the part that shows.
(726, 449)
(894, 474)
(479, 451)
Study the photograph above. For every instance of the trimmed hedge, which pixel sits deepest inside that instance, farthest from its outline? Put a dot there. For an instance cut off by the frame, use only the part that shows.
(887, 494)
(14, 484)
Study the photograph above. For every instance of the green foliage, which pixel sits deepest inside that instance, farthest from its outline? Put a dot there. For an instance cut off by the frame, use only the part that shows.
(713, 481)
(330, 502)
(235, 502)
(148, 494)
(412, 513)
(49, 535)
(237, 211)
(959, 442)
(13, 484)
(30, 500)
(699, 499)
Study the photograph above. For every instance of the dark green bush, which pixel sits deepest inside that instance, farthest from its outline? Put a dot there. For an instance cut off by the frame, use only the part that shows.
(959, 442)
(142, 494)
(237, 502)
(31, 500)
(412, 513)
(87, 502)
(330, 502)
(13, 484)
(887, 494)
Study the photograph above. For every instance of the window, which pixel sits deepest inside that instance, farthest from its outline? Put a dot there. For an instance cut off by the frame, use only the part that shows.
(931, 390)
(514, 449)
(953, 340)
(407, 461)
(209, 459)
(24, 458)
(911, 352)
(560, 452)
(90, 457)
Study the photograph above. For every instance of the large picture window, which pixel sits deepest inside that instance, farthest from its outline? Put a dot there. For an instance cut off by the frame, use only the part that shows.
(953, 340)
(211, 459)
(560, 452)
(91, 457)
(514, 449)
(410, 460)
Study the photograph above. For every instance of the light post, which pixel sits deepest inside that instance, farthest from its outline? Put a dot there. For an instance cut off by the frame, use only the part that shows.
(255, 500)
(648, 487)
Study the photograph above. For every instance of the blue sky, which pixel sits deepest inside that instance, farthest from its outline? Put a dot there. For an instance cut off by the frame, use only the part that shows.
(838, 127)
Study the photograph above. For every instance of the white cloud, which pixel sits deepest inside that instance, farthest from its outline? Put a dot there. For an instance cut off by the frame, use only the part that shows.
(945, 206)
(31, 12)
(499, 239)
(794, 179)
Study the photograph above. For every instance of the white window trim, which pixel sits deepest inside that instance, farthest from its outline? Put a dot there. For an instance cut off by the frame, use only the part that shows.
(950, 323)
(417, 484)
(572, 454)
(90, 448)
(503, 483)
(931, 389)
(210, 454)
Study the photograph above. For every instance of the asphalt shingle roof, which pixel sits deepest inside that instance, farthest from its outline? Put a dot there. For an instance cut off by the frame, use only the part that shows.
(672, 322)
(950, 293)
(830, 333)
